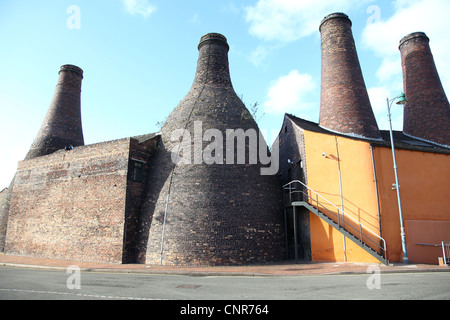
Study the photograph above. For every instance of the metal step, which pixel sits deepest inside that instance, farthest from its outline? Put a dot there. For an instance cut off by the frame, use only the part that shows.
(339, 228)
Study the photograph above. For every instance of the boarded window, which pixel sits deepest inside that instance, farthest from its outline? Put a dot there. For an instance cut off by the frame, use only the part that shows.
(137, 171)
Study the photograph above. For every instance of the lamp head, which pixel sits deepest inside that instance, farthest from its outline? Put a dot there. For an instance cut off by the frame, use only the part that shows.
(402, 99)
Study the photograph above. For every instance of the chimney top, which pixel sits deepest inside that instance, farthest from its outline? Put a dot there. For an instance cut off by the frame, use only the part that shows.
(70, 67)
(335, 15)
(213, 37)
(413, 36)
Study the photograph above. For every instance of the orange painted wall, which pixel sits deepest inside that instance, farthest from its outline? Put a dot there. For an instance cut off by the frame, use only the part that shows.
(424, 180)
(358, 188)
(425, 192)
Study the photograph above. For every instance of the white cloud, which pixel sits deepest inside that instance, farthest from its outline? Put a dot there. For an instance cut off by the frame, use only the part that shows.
(258, 55)
(390, 68)
(139, 7)
(290, 20)
(428, 16)
(230, 8)
(378, 99)
(290, 94)
(195, 18)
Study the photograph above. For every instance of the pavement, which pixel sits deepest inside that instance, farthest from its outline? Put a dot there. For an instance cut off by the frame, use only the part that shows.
(284, 268)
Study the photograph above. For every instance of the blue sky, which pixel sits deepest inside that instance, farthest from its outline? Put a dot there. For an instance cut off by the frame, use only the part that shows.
(139, 58)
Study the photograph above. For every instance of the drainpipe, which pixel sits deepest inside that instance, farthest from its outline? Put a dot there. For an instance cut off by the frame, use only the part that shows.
(164, 230)
(376, 189)
(342, 198)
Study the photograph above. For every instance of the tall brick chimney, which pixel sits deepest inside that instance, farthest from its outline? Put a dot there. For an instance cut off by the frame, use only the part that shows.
(344, 102)
(427, 114)
(62, 124)
(210, 214)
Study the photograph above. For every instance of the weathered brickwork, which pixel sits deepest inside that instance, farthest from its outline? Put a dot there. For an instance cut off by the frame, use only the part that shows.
(5, 200)
(62, 125)
(293, 167)
(141, 152)
(427, 114)
(292, 153)
(215, 214)
(344, 103)
(73, 204)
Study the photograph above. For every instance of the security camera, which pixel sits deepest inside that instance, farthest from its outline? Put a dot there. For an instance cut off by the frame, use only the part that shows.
(324, 154)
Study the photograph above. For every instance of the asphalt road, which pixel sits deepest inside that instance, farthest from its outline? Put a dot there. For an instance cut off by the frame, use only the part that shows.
(32, 284)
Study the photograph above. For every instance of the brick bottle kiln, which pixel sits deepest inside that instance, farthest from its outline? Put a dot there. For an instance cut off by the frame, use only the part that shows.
(62, 124)
(427, 114)
(344, 103)
(210, 214)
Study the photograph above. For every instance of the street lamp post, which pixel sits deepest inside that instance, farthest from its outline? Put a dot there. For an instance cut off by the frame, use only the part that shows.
(401, 101)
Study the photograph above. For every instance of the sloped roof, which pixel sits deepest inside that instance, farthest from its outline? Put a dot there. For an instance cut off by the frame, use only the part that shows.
(401, 140)
(146, 137)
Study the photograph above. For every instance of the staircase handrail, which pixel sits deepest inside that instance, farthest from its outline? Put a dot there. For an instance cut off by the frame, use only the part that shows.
(287, 187)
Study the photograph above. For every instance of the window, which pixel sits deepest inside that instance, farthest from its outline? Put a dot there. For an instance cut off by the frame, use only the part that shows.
(137, 171)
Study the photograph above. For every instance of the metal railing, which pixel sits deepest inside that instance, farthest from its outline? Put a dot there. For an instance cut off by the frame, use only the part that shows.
(446, 252)
(340, 217)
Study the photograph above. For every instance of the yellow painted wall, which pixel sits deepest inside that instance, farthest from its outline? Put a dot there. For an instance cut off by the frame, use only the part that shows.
(424, 180)
(358, 189)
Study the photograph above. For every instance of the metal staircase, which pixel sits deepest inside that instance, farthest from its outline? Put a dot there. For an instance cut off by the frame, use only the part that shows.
(297, 194)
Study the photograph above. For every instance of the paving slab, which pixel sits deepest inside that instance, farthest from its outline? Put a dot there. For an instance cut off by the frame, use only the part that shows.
(284, 268)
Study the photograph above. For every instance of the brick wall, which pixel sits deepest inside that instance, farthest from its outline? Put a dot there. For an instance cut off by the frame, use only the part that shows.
(292, 147)
(140, 159)
(71, 204)
(5, 198)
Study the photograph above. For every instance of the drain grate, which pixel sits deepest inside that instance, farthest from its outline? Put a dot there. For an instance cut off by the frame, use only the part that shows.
(189, 286)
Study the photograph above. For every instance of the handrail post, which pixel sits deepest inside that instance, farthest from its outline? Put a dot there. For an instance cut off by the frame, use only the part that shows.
(339, 223)
(286, 233)
(290, 195)
(443, 253)
(295, 233)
